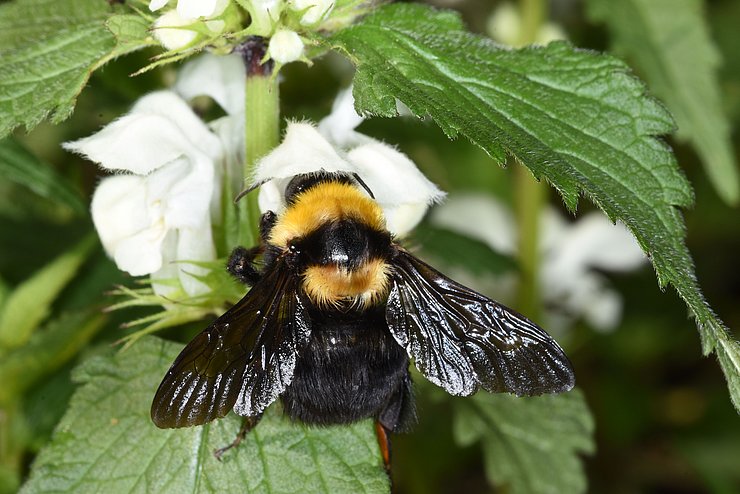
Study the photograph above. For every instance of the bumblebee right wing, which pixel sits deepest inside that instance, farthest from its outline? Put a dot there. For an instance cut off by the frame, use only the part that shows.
(243, 361)
(461, 340)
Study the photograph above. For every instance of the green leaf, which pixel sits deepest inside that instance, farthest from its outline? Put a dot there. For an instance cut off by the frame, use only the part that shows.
(48, 49)
(132, 32)
(459, 250)
(530, 445)
(20, 166)
(576, 118)
(106, 442)
(30, 303)
(47, 350)
(668, 41)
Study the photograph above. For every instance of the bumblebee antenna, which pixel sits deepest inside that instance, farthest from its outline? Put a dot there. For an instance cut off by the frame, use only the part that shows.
(249, 189)
(364, 185)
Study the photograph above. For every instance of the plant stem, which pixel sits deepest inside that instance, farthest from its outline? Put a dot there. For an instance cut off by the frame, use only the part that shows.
(530, 195)
(530, 198)
(262, 124)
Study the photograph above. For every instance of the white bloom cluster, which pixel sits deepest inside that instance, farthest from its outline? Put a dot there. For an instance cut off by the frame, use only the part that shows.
(401, 190)
(157, 210)
(156, 213)
(571, 252)
(172, 28)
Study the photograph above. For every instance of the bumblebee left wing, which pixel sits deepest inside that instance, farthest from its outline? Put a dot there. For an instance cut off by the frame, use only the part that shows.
(243, 361)
(461, 340)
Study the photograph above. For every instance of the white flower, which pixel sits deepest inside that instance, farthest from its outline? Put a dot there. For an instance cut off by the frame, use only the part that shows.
(570, 287)
(172, 31)
(505, 26)
(315, 10)
(401, 190)
(264, 15)
(193, 9)
(285, 46)
(159, 211)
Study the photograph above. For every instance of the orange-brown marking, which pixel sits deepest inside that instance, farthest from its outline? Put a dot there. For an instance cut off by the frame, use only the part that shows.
(329, 201)
(331, 285)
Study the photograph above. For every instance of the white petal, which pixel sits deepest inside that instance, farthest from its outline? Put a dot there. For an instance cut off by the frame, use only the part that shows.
(194, 244)
(141, 253)
(264, 14)
(144, 140)
(553, 229)
(193, 9)
(220, 77)
(285, 46)
(165, 281)
(119, 210)
(605, 311)
(170, 105)
(395, 182)
(171, 31)
(402, 218)
(183, 190)
(157, 4)
(392, 176)
(315, 10)
(481, 217)
(303, 150)
(593, 241)
(339, 125)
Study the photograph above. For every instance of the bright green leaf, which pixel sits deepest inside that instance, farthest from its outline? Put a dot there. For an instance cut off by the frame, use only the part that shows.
(679, 61)
(132, 33)
(30, 302)
(576, 118)
(530, 445)
(107, 443)
(20, 166)
(46, 351)
(48, 49)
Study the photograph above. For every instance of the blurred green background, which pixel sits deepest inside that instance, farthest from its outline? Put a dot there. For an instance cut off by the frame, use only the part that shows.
(664, 421)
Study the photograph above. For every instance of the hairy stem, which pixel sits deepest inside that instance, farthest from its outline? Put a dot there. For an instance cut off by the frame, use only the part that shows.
(531, 195)
(262, 125)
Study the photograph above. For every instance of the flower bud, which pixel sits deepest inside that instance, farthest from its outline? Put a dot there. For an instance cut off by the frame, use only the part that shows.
(172, 31)
(285, 46)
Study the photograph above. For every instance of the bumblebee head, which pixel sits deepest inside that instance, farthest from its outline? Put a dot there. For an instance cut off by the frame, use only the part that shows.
(334, 233)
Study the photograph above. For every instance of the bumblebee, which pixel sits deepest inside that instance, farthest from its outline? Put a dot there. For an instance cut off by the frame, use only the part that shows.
(335, 315)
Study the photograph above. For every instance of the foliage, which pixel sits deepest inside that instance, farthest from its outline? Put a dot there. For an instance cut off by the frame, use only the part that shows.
(107, 443)
(679, 61)
(578, 119)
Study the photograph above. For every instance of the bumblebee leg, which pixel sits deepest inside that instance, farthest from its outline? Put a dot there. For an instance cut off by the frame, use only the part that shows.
(248, 423)
(399, 414)
(267, 221)
(241, 265)
(384, 441)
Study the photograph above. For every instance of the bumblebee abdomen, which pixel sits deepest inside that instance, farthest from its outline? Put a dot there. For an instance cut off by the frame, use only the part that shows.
(352, 369)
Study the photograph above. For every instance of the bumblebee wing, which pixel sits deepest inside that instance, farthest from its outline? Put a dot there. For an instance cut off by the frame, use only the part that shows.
(461, 340)
(244, 360)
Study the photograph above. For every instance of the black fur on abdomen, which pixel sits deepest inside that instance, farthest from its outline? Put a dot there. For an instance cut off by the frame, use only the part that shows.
(351, 369)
